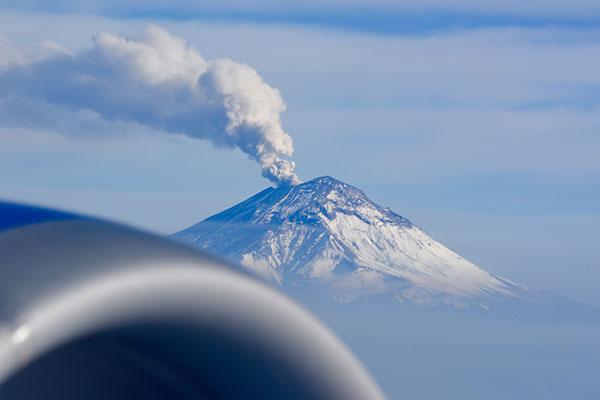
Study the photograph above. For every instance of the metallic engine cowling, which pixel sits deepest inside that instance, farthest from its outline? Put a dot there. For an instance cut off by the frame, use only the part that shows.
(91, 309)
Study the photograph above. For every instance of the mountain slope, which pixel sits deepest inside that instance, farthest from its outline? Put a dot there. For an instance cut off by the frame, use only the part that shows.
(327, 235)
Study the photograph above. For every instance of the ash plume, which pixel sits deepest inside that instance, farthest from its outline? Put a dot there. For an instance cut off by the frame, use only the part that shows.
(157, 80)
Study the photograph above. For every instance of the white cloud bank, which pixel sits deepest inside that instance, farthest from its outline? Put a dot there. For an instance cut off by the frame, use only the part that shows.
(155, 80)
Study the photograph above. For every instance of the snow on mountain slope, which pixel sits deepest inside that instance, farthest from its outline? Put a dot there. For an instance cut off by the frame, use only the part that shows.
(329, 235)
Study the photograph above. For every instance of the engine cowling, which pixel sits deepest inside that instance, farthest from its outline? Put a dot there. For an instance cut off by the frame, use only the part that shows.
(91, 309)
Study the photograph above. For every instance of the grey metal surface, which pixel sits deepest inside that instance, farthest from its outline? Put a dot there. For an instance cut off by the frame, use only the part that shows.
(84, 299)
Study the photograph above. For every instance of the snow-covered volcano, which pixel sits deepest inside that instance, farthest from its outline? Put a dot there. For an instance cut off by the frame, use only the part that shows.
(328, 235)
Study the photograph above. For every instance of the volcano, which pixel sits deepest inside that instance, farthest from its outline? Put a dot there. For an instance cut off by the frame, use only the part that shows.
(327, 236)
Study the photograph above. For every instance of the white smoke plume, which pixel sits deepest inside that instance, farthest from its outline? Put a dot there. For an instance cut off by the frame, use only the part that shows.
(157, 80)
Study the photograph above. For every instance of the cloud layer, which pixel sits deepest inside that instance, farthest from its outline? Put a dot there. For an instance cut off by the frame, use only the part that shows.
(155, 80)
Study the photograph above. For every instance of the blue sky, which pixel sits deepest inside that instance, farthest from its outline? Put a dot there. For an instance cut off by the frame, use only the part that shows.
(480, 124)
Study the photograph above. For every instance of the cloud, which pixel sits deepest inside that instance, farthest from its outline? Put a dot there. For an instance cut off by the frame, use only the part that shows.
(158, 81)
(311, 8)
(377, 16)
(9, 54)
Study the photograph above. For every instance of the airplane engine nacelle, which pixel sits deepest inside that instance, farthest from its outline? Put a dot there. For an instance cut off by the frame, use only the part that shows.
(94, 310)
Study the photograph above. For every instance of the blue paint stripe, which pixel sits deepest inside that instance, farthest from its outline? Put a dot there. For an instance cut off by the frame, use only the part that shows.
(16, 215)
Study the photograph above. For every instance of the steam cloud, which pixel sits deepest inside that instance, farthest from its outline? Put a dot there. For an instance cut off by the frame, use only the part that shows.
(155, 79)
